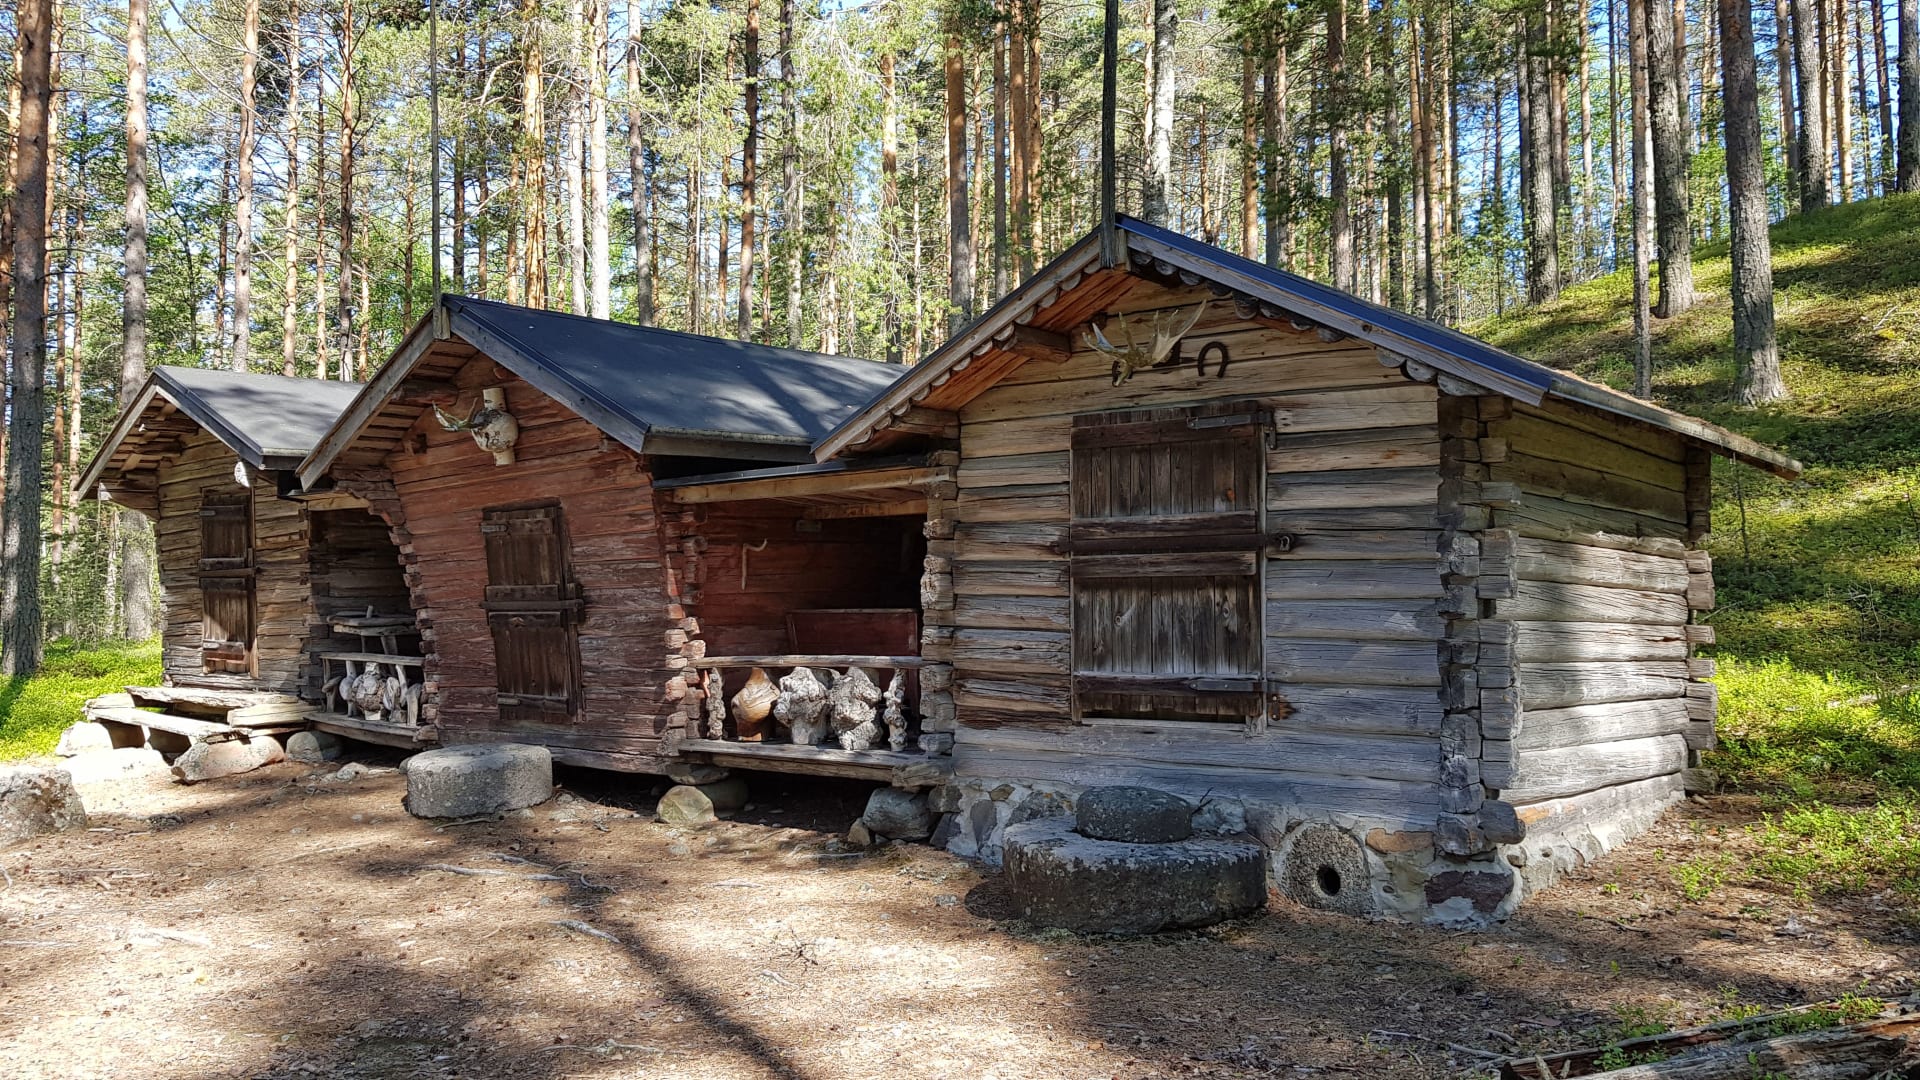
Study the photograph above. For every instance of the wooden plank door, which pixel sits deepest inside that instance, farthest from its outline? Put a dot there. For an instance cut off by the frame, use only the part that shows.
(533, 609)
(227, 613)
(1167, 546)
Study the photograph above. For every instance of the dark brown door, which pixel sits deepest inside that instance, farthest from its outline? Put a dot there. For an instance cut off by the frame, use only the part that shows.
(533, 610)
(1166, 548)
(226, 582)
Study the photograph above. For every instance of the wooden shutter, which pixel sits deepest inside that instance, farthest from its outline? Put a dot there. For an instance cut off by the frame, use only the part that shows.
(533, 610)
(226, 582)
(1167, 545)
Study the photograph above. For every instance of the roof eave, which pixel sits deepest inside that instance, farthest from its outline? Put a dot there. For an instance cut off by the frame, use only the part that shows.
(1726, 443)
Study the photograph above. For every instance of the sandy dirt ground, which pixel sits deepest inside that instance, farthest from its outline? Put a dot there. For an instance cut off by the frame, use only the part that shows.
(288, 923)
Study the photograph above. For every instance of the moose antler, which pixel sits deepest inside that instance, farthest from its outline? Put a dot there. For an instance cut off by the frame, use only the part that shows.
(1163, 333)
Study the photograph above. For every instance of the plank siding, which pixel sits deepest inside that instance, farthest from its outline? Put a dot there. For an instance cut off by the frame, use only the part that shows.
(281, 596)
(1349, 609)
(444, 482)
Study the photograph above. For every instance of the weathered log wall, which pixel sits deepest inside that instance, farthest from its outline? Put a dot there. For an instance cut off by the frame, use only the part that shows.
(443, 482)
(280, 576)
(1352, 610)
(1589, 630)
(353, 565)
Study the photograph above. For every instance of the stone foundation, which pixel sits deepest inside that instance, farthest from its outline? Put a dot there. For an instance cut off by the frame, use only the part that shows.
(1344, 863)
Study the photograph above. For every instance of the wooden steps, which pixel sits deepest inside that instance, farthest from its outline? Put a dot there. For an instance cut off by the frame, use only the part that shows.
(384, 732)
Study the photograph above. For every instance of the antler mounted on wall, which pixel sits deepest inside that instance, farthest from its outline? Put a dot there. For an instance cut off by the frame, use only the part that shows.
(493, 428)
(1144, 341)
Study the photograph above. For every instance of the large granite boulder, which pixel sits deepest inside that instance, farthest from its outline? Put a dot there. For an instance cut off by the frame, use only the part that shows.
(120, 763)
(314, 747)
(1060, 878)
(697, 804)
(897, 814)
(36, 801)
(208, 760)
(84, 737)
(470, 781)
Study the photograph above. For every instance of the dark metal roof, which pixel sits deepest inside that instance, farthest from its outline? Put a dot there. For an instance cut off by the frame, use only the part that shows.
(637, 379)
(269, 421)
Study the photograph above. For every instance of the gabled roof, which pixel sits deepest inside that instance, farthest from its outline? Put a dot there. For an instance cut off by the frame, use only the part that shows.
(656, 391)
(269, 421)
(1047, 300)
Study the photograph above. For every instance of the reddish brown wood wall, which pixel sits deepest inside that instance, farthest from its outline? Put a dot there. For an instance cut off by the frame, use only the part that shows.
(444, 482)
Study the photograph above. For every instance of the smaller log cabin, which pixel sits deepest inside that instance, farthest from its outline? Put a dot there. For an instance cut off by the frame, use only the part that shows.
(516, 456)
(248, 574)
(1417, 612)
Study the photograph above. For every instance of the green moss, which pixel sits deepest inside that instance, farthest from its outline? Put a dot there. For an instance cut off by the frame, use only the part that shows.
(34, 710)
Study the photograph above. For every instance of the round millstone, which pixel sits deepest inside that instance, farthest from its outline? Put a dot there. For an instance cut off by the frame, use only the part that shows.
(1322, 867)
(468, 781)
(1133, 815)
(1060, 878)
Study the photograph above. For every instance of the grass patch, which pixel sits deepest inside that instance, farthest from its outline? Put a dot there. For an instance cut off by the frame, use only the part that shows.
(1820, 848)
(34, 710)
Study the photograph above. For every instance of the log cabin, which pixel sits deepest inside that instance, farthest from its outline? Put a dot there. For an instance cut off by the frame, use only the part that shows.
(515, 456)
(251, 579)
(1417, 612)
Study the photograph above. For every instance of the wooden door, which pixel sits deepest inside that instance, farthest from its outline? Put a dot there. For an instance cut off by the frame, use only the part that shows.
(533, 609)
(1167, 545)
(226, 582)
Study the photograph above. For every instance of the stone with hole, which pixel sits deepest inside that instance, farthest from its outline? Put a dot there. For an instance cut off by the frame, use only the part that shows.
(36, 801)
(1062, 879)
(1133, 815)
(1321, 866)
(470, 781)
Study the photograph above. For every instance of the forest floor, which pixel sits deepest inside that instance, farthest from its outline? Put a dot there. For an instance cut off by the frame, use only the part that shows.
(288, 923)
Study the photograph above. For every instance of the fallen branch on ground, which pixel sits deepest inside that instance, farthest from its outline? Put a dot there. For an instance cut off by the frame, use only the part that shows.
(579, 927)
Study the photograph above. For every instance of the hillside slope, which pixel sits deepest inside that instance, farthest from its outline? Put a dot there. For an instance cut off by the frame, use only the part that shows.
(1819, 616)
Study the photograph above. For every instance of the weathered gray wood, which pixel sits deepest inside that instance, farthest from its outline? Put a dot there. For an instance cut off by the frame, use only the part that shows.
(805, 660)
(1572, 563)
(1396, 404)
(1553, 601)
(1550, 774)
(1037, 577)
(1578, 725)
(1352, 488)
(1555, 686)
(1010, 651)
(1360, 620)
(1012, 612)
(1384, 545)
(1578, 642)
(1389, 448)
(1386, 710)
(1306, 579)
(1551, 518)
(1354, 663)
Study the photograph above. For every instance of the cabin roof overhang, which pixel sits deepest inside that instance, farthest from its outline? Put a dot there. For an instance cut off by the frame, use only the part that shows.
(850, 487)
(268, 421)
(1033, 322)
(623, 374)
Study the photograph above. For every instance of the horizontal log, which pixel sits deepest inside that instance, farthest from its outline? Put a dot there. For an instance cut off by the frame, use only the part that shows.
(982, 612)
(1556, 685)
(1352, 488)
(1304, 579)
(1355, 620)
(1553, 601)
(1010, 651)
(806, 660)
(1354, 663)
(1585, 642)
(1389, 448)
(1396, 404)
(1166, 565)
(1591, 564)
(1551, 774)
(1550, 518)
(1580, 725)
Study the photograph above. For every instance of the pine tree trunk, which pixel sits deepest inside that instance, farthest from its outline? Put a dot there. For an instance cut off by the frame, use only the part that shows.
(599, 257)
(1884, 92)
(1156, 204)
(1249, 153)
(1396, 240)
(1616, 158)
(457, 164)
(1019, 101)
(290, 217)
(1810, 67)
(349, 123)
(1838, 77)
(637, 175)
(749, 168)
(1642, 77)
(532, 179)
(20, 626)
(1000, 107)
(1543, 234)
(574, 158)
(242, 349)
(890, 202)
(1033, 236)
(1754, 349)
(959, 231)
(1339, 208)
(1278, 155)
(1671, 162)
(793, 234)
(1908, 163)
(135, 562)
(1783, 68)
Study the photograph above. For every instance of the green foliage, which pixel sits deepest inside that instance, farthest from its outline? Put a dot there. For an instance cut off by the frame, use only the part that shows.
(1699, 878)
(1818, 847)
(34, 710)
